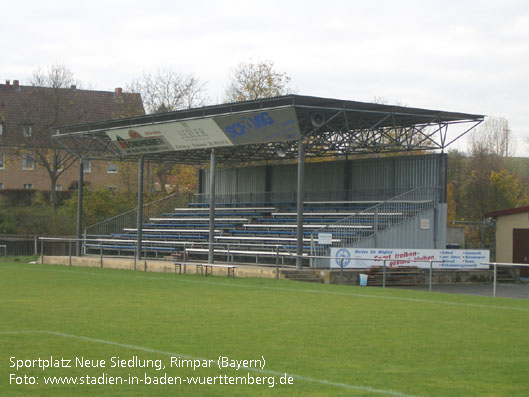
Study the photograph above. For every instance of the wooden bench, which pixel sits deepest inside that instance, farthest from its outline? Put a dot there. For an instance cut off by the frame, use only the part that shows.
(209, 268)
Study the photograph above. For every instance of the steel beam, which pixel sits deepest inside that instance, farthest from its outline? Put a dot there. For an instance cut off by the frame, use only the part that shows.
(212, 193)
(301, 198)
(139, 220)
(80, 208)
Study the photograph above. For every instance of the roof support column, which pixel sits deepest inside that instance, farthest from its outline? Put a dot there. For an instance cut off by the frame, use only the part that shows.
(301, 198)
(80, 208)
(212, 194)
(139, 220)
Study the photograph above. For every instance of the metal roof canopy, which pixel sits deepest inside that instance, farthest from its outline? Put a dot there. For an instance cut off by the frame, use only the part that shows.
(329, 127)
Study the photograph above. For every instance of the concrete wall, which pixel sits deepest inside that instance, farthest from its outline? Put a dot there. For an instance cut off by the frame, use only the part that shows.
(504, 234)
(158, 266)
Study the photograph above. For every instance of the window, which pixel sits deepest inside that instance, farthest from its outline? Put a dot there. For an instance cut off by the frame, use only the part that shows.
(28, 161)
(112, 168)
(2, 161)
(1, 185)
(1, 129)
(112, 188)
(87, 166)
(27, 130)
(58, 188)
(27, 186)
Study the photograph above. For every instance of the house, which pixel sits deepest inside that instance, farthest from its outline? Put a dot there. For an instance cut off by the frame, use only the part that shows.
(512, 236)
(30, 158)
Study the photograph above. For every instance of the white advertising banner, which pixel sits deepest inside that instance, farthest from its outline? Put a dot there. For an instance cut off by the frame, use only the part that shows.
(166, 137)
(245, 128)
(395, 257)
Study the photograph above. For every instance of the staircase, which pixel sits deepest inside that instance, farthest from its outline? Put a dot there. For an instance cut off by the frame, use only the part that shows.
(301, 275)
(398, 276)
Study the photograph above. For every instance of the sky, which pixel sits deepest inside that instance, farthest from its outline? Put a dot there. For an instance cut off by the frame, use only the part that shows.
(455, 55)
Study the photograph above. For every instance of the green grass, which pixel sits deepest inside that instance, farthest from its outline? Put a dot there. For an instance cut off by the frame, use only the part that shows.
(333, 340)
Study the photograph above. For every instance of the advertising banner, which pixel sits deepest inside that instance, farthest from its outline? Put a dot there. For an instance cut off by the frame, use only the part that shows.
(173, 136)
(260, 127)
(236, 129)
(395, 257)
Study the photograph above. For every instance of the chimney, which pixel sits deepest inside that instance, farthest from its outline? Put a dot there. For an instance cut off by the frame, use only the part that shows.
(8, 83)
(118, 92)
(15, 83)
(73, 87)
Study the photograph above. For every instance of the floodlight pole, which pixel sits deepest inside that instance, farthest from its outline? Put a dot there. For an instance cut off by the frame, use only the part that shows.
(212, 194)
(79, 208)
(139, 220)
(301, 196)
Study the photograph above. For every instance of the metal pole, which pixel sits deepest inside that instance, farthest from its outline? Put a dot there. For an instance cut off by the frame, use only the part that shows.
(70, 251)
(101, 254)
(139, 220)
(212, 194)
(145, 259)
(42, 251)
(277, 262)
(430, 278)
(301, 197)
(341, 271)
(79, 207)
(384, 275)
(375, 227)
(494, 282)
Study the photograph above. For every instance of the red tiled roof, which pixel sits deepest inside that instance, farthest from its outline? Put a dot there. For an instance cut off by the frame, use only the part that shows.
(509, 211)
(47, 107)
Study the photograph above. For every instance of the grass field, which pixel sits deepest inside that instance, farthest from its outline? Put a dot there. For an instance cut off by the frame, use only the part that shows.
(331, 340)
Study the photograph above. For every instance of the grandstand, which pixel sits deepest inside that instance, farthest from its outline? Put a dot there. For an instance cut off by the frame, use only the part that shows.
(266, 205)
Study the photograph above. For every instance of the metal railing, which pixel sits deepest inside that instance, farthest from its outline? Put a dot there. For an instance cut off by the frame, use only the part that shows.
(495, 269)
(128, 219)
(274, 198)
(371, 221)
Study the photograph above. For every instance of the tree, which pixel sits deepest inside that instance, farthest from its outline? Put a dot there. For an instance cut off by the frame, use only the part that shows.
(49, 104)
(256, 80)
(493, 137)
(168, 90)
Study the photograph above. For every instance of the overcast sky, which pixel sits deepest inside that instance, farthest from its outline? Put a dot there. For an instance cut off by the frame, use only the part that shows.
(456, 55)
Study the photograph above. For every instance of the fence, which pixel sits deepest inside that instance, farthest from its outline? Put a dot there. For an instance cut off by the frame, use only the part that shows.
(369, 222)
(128, 219)
(28, 246)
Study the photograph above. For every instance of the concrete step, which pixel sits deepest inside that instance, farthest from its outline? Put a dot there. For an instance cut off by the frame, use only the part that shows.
(300, 275)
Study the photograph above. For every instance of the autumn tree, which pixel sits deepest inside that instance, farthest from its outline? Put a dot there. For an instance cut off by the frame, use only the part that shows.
(256, 80)
(490, 185)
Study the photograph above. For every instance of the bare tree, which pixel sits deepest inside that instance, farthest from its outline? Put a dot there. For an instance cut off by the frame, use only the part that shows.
(493, 137)
(168, 90)
(48, 104)
(256, 80)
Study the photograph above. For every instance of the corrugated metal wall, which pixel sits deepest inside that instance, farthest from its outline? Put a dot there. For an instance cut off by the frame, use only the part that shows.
(410, 235)
(373, 178)
(236, 180)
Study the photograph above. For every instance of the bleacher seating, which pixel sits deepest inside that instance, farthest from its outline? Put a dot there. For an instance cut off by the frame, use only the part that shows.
(262, 231)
